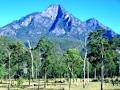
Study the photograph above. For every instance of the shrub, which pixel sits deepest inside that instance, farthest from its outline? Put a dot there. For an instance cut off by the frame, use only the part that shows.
(106, 81)
(95, 80)
(19, 81)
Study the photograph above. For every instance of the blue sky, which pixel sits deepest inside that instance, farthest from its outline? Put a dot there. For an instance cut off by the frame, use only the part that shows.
(106, 11)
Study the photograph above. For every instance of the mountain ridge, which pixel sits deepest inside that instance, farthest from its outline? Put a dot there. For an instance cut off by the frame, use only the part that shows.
(55, 21)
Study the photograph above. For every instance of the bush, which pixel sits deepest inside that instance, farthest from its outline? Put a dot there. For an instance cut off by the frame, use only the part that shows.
(19, 81)
(0, 81)
(59, 81)
(95, 80)
(106, 80)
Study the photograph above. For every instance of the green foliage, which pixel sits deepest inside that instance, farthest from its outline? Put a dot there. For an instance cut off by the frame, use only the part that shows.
(45, 49)
(16, 58)
(13, 50)
(47, 58)
(2, 72)
(116, 42)
(74, 61)
(99, 45)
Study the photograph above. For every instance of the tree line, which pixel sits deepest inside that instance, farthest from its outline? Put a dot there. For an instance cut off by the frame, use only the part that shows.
(101, 55)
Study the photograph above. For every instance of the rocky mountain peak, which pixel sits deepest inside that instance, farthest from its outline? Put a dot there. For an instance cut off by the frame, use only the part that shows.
(55, 21)
(92, 20)
(94, 24)
(52, 11)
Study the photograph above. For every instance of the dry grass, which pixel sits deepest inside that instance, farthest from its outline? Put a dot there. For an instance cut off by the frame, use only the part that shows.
(75, 86)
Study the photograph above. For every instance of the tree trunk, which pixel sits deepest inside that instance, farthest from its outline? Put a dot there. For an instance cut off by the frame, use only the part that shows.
(60, 77)
(36, 72)
(45, 79)
(55, 80)
(85, 57)
(9, 72)
(102, 76)
(70, 82)
(102, 66)
(119, 68)
(95, 73)
(32, 69)
(88, 71)
(84, 70)
(29, 79)
(38, 83)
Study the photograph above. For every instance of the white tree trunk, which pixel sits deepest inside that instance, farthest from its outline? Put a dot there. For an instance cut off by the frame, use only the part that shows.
(31, 58)
(119, 68)
(84, 73)
(85, 57)
(9, 72)
(95, 73)
(102, 75)
(88, 71)
(102, 66)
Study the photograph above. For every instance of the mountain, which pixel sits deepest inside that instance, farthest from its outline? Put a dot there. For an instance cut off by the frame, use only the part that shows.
(55, 23)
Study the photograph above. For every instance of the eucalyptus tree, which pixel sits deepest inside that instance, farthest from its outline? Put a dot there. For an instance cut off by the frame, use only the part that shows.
(85, 60)
(74, 63)
(116, 44)
(101, 52)
(46, 48)
(5, 56)
(32, 67)
(10, 54)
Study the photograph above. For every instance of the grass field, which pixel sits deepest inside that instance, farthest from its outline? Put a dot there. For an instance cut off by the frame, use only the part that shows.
(60, 86)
